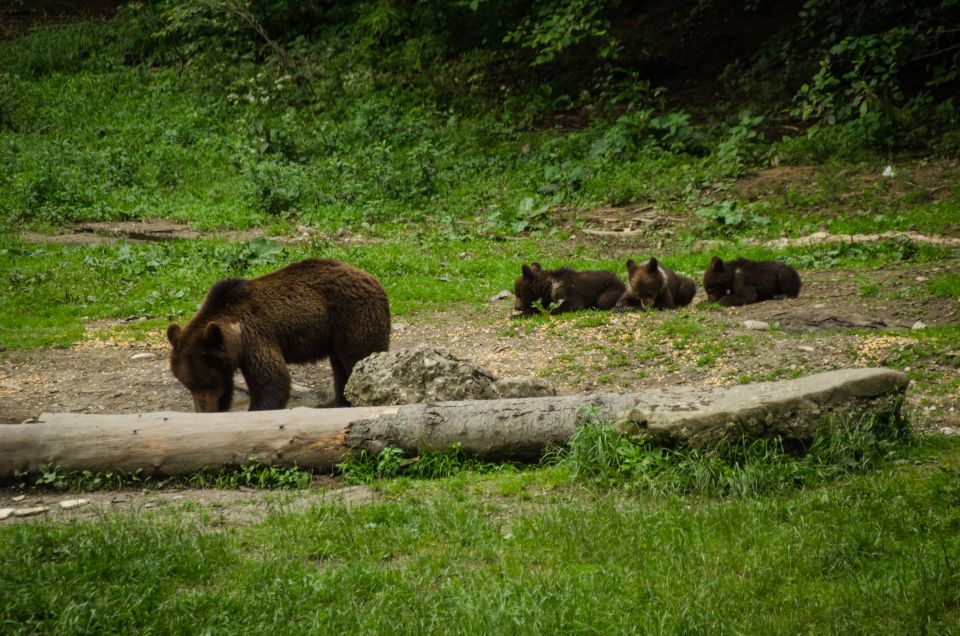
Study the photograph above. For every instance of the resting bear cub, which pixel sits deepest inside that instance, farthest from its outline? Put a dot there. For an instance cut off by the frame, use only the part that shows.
(654, 286)
(742, 281)
(307, 311)
(570, 289)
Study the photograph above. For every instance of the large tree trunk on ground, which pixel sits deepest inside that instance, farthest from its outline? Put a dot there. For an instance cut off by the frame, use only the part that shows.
(165, 444)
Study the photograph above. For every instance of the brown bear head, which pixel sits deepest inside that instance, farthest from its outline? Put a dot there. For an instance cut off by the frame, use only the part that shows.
(717, 280)
(646, 281)
(204, 358)
(532, 286)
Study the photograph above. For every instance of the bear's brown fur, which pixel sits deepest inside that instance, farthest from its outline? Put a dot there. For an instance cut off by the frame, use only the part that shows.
(742, 281)
(565, 289)
(307, 311)
(653, 286)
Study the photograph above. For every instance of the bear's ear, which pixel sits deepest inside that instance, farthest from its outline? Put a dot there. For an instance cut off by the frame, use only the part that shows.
(652, 265)
(530, 271)
(631, 266)
(173, 334)
(535, 266)
(212, 335)
(716, 264)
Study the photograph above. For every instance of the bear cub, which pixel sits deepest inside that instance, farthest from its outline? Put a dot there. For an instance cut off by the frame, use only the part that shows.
(307, 311)
(565, 289)
(742, 281)
(652, 285)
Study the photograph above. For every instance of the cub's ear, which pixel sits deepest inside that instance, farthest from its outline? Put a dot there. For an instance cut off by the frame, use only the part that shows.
(212, 335)
(716, 264)
(530, 271)
(652, 265)
(173, 334)
(631, 266)
(535, 266)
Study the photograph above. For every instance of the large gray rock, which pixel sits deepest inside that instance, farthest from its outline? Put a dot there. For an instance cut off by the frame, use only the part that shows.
(791, 409)
(417, 374)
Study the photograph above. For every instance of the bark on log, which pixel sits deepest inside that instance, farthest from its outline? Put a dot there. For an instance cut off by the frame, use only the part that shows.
(168, 443)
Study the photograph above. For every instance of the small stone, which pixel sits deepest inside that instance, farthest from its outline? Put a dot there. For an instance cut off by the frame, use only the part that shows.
(919, 325)
(525, 386)
(68, 504)
(819, 306)
(806, 348)
(19, 497)
(5, 513)
(500, 295)
(888, 172)
(29, 512)
(756, 325)
(921, 279)
(143, 356)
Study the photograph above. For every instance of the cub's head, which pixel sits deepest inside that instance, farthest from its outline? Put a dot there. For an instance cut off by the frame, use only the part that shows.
(646, 281)
(532, 286)
(717, 280)
(204, 358)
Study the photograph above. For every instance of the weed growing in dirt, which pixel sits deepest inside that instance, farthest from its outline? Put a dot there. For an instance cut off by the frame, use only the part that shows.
(945, 285)
(365, 467)
(252, 474)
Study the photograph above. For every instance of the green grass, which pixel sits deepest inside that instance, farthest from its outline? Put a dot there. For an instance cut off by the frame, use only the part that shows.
(50, 292)
(945, 285)
(875, 552)
(251, 474)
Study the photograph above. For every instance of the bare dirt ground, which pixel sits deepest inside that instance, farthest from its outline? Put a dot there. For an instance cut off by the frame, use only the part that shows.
(830, 326)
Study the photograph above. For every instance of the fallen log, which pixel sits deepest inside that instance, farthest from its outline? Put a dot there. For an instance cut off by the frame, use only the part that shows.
(167, 444)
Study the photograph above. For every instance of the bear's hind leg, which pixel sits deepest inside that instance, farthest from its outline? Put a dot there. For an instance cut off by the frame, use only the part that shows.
(341, 373)
(789, 282)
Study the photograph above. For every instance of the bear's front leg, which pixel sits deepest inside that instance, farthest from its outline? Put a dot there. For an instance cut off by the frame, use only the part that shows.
(609, 299)
(743, 296)
(627, 302)
(665, 300)
(268, 378)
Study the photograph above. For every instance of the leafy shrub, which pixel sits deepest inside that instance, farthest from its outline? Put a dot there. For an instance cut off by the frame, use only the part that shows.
(631, 132)
(72, 47)
(741, 143)
(729, 216)
(9, 101)
(392, 462)
(276, 186)
(561, 25)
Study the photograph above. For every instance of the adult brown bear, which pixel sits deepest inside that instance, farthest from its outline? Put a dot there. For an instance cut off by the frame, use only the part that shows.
(307, 311)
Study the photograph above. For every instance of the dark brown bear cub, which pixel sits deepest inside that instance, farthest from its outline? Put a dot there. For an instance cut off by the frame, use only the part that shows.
(304, 312)
(742, 281)
(652, 285)
(565, 289)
